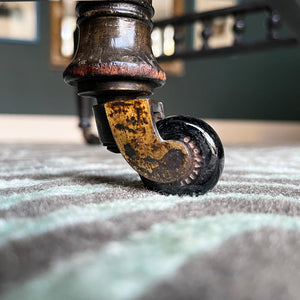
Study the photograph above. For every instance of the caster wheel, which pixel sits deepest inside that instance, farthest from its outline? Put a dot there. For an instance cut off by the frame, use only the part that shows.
(205, 152)
(90, 138)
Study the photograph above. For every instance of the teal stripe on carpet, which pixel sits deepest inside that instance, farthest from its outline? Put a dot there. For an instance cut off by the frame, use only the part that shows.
(271, 170)
(118, 169)
(11, 229)
(125, 270)
(75, 190)
(260, 184)
(26, 182)
(262, 177)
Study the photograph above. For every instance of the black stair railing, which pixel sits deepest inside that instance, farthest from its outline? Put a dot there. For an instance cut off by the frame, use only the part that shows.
(186, 50)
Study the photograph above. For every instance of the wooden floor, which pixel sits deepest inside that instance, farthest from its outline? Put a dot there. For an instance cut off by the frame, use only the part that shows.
(63, 129)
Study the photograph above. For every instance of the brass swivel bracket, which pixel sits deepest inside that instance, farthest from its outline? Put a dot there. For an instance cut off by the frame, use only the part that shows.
(138, 140)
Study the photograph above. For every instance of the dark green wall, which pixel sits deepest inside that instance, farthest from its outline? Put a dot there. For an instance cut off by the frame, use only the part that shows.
(263, 85)
(28, 83)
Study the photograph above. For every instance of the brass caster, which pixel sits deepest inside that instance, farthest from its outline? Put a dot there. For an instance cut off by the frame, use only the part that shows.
(206, 156)
(115, 65)
(176, 155)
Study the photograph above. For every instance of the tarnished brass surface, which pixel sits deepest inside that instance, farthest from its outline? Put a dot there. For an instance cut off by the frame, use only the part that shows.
(138, 140)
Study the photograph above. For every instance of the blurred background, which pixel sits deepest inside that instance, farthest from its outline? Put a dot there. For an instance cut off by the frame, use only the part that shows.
(261, 86)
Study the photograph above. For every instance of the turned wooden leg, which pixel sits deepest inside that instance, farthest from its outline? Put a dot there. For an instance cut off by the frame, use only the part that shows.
(114, 64)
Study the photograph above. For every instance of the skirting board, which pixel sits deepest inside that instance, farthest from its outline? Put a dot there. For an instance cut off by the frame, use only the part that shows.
(64, 129)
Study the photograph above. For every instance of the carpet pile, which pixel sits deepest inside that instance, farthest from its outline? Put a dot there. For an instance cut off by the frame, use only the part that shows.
(77, 223)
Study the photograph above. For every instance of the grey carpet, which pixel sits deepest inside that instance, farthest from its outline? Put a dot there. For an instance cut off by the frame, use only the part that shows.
(76, 223)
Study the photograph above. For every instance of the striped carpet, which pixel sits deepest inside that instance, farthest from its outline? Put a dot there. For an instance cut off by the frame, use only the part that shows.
(76, 223)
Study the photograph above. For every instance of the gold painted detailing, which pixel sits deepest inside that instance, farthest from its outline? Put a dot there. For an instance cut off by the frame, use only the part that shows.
(136, 135)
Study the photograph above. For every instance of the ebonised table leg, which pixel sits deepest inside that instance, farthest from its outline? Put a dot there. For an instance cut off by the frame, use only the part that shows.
(84, 108)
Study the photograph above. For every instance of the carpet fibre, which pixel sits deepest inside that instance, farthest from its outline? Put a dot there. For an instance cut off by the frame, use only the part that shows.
(76, 223)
